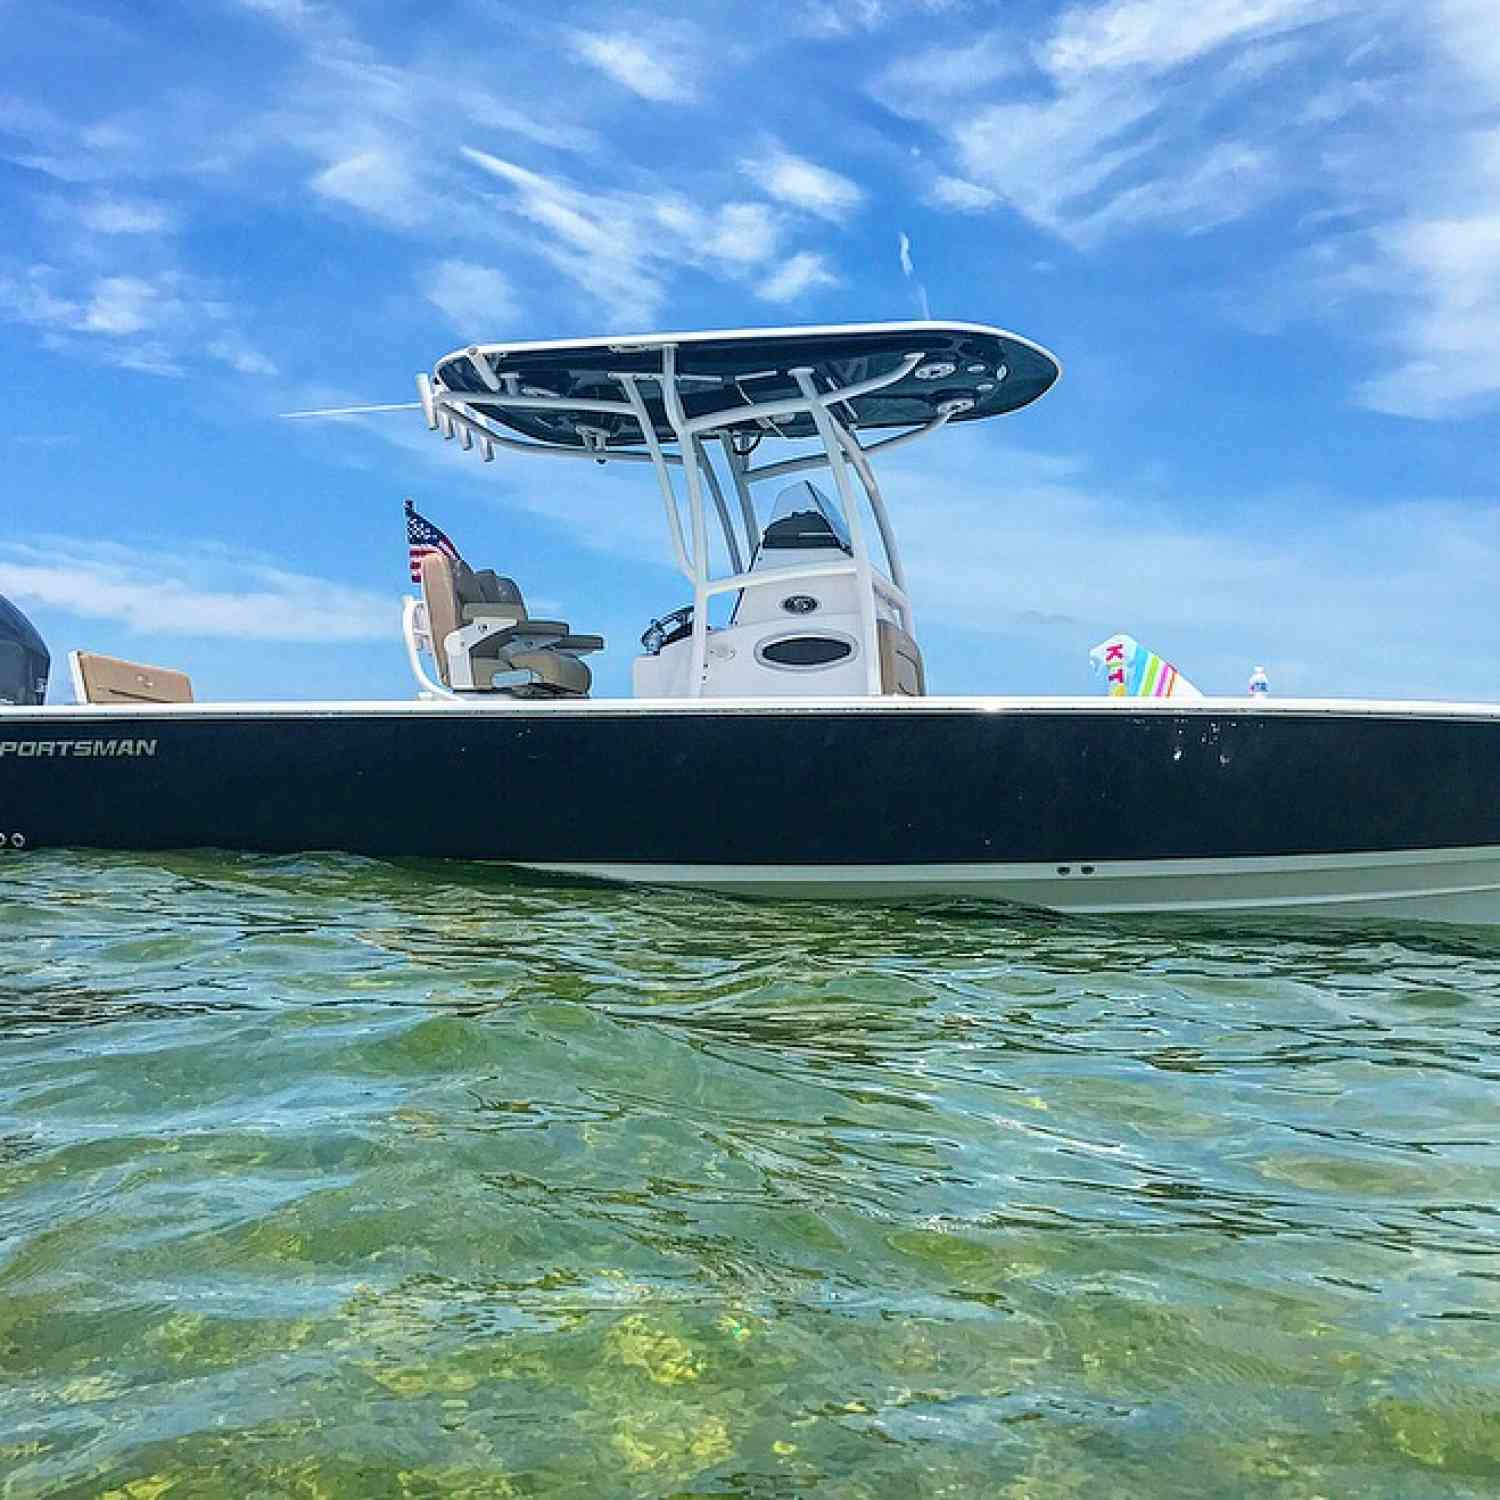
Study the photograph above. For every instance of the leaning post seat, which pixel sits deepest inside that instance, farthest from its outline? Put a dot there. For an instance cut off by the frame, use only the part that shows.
(109, 679)
(484, 641)
(901, 671)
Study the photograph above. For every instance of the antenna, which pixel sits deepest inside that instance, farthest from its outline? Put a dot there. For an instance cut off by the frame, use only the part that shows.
(352, 411)
(909, 270)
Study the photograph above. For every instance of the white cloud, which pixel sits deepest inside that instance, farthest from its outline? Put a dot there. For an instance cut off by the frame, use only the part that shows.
(826, 19)
(945, 73)
(803, 273)
(148, 323)
(240, 356)
(1466, 30)
(375, 134)
(804, 184)
(621, 247)
(1450, 331)
(1226, 183)
(1157, 35)
(378, 182)
(163, 593)
(602, 241)
(1048, 160)
(1120, 124)
(1042, 560)
(651, 72)
(31, 298)
(1141, 116)
(1421, 289)
(110, 214)
(121, 305)
(296, 15)
(744, 233)
(961, 196)
(477, 300)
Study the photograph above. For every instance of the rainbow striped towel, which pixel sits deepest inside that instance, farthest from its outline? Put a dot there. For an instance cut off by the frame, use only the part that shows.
(1131, 671)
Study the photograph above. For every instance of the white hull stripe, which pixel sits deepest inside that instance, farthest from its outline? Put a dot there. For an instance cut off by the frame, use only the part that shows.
(1444, 884)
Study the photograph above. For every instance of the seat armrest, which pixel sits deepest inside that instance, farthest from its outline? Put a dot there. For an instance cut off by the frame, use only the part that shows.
(472, 612)
(579, 645)
(534, 635)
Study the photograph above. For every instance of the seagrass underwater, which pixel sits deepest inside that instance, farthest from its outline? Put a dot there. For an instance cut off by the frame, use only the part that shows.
(349, 1177)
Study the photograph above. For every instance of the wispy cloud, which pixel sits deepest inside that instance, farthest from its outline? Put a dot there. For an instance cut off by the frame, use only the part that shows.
(112, 214)
(1040, 560)
(122, 305)
(1114, 119)
(161, 592)
(654, 72)
(744, 234)
(373, 134)
(840, 18)
(621, 246)
(478, 300)
(961, 196)
(803, 273)
(1158, 36)
(804, 184)
(1135, 116)
(156, 324)
(1449, 269)
(951, 70)
(1421, 288)
(380, 182)
(243, 358)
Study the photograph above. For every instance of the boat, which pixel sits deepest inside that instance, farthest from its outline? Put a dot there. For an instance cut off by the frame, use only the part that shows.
(25, 662)
(780, 739)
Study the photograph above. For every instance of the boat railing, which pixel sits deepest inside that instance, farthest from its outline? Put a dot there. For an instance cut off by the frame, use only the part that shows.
(417, 635)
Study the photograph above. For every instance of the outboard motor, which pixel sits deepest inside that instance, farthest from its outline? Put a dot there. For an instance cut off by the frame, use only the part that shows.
(24, 662)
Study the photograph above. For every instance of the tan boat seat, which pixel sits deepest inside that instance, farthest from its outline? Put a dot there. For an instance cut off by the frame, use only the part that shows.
(901, 671)
(110, 679)
(459, 599)
(553, 674)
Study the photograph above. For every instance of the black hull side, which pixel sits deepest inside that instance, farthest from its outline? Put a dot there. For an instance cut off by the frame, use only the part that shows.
(813, 786)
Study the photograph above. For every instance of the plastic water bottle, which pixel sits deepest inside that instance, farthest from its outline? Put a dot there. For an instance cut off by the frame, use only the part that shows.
(1260, 684)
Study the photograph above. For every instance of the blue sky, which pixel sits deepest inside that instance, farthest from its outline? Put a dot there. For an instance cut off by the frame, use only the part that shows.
(1263, 236)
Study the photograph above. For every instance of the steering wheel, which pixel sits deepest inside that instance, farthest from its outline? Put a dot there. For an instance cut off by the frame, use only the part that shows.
(676, 626)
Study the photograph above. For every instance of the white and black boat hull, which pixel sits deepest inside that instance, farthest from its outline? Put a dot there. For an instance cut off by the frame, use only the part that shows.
(1076, 805)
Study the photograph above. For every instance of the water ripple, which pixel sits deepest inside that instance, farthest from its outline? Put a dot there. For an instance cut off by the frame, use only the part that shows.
(332, 1176)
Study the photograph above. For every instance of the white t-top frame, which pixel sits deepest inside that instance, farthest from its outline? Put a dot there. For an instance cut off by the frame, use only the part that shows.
(735, 430)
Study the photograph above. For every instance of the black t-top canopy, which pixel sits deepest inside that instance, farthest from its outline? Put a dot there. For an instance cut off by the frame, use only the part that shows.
(967, 371)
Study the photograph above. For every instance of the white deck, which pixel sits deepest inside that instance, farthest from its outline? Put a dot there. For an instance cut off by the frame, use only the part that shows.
(496, 706)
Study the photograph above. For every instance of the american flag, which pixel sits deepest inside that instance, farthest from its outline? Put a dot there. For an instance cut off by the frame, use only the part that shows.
(423, 537)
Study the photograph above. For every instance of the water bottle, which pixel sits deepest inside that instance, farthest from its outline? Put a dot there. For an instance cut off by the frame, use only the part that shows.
(1260, 684)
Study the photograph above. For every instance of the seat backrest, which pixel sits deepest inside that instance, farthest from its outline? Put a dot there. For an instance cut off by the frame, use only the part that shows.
(487, 587)
(109, 679)
(444, 607)
(901, 669)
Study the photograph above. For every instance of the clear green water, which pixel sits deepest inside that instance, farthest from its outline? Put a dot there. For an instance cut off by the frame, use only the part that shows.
(329, 1177)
